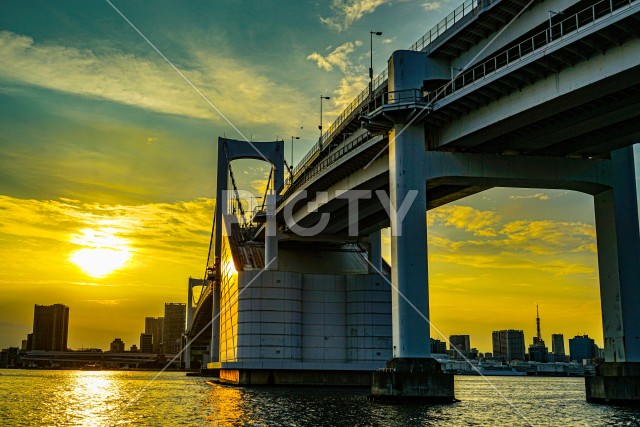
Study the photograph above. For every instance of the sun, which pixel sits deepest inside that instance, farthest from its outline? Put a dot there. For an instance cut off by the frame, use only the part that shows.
(103, 251)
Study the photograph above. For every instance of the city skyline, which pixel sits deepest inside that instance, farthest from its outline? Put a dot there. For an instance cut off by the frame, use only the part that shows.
(176, 312)
(106, 185)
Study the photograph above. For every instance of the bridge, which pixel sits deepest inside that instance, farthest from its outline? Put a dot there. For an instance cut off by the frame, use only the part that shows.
(501, 93)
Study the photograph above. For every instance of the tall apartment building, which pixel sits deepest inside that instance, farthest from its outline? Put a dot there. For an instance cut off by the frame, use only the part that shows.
(146, 343)
(175, 317)
(509, 344)
(461, 342)
(582, 348)
(50, 327)
(155, 327)
(557, 344)
(438, 347)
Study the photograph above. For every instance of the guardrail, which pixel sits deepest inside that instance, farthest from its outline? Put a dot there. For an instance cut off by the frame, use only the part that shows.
(325, 163)
(469, 6)
(514, 54)
(360, 99)
(491, 66)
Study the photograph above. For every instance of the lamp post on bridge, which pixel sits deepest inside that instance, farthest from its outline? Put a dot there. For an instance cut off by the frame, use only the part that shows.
(551, 15)
(291, 165)
(322, 97)
(371, 33)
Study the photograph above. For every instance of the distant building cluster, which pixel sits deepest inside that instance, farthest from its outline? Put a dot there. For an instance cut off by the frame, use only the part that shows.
(46, 345)
(509, 346)
(162, 335)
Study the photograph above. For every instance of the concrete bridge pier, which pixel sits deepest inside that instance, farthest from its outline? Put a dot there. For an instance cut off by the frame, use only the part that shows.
(412, 374)
(617, 380)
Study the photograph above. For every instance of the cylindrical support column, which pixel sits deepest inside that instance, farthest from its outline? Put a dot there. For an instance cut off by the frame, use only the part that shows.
(375, 252)
(617, 381)
(609, 277)
(625, 197)
(190, 307)
(410, 291)
(187, 353)
(271, 235)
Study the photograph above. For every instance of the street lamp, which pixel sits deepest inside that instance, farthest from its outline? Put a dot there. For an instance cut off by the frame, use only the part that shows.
(322, 97)
(371, 33)
(551, 14)
(291, 165)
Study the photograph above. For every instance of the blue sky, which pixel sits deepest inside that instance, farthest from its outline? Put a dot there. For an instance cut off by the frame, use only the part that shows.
(99, 133)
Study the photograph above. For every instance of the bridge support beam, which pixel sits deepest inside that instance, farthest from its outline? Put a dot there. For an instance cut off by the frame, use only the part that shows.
(375, 252)
(412, 374)
(617, 380)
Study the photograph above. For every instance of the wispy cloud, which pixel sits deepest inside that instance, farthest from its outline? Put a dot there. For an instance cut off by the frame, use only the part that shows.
(432, 5)
(539, 196)
(480, 223)
(167, 229)
(107, 302)
(556, 247)
(338, 58)
(346, 12)
(348, 88)
(149, 83)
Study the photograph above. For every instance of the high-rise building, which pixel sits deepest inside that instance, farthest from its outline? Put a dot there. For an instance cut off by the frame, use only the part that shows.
(538, 351)
(508, 344)
(155, 327)
(117, 346)
(557, 344)
(175, 317)
(438, 347)
(146, 343)
(50, 327)
(582, 348)
(461, 342)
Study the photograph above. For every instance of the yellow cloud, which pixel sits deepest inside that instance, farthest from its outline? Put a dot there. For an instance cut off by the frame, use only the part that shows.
(348, 89)
(150, 83)
(338, 58)
(161, 226)
(549, 237)
(480, 223)
(349, 11)
(167, 242)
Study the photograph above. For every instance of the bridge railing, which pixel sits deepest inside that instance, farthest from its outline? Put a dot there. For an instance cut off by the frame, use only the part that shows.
(325, 163)
(336, 125)
(514, 54)
(469, 6)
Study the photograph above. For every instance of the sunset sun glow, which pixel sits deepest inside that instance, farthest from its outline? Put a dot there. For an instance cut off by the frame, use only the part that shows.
(102, 254)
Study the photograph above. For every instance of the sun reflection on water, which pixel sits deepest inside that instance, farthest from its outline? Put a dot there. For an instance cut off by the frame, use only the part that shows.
(92, 398)
(103, 251)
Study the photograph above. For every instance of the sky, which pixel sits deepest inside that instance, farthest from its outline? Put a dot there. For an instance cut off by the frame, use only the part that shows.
(107, 173)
